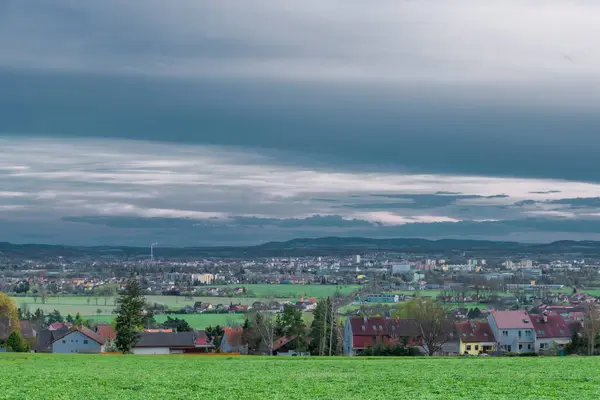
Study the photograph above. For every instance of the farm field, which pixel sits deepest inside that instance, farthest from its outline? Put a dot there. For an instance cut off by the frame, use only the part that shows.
(196, 377)
(79, 304)
(294, 290)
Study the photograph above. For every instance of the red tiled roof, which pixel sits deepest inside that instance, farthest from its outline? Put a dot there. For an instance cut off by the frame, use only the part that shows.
(556, 327)
(362, 342)
(201, 339)
(512, 319)
(233, 336)
(374, 326)
(400, 328)
(475, 332)
(106, 331)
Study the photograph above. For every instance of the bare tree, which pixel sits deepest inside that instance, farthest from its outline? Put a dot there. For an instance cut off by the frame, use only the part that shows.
(432, 321)
(591, 326)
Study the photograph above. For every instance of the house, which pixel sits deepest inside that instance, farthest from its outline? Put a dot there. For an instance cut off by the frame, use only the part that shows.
(405, 331)
(284, 346)
(78, 340)
(550, 331)
(59, 325)
(364, 332)
(475, 337)
(232, 341)
(106, 332)
(46, 337)
(27, 331)
(165, 343)
(513, 331)
(202, 342)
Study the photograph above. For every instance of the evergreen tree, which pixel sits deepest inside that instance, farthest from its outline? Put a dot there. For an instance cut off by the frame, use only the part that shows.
(78, 321)
(16, 343)
(130, 309)
(291, 324)
(55, 316)
(69, 318)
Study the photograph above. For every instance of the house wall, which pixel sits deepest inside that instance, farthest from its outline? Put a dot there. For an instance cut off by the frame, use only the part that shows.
(225, 346)
(348, 342)
(151, 350)
(549, 343)
(476, 348)
(76, 342)
(509, 340)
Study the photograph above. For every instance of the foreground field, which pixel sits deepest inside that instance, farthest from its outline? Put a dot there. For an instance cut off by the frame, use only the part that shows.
(42, 376)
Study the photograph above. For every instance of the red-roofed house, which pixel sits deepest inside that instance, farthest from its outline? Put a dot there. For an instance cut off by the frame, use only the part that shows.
(232, 341)
(550, 330)
(363, 332)
(513, 331)
(202, 342)
(475, 337)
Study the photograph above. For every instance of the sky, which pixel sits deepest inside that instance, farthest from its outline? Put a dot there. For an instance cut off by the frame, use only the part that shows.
(204, 123)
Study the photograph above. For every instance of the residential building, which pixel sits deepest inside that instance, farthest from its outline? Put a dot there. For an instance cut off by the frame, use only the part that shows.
(400, 268)
(475, 337)
(232, 341)
(106, 332)
(46, 337)
(381, 298)
(363, 332)
(513, 331)
(551, 331)
(79, 340)
(165, 343)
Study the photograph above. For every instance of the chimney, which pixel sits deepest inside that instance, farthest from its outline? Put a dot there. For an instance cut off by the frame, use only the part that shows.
(365, 319)
(545, 314)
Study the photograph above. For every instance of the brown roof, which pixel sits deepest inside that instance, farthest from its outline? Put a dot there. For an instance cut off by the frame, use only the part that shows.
(555, 327)
(86, 331)
(233, 336)
(106, 331)
(475, 332)
(373, 326)
(27, 329)
(399, 328)
(517, 319)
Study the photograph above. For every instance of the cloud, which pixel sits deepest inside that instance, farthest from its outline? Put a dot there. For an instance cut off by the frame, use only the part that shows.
(206, 194)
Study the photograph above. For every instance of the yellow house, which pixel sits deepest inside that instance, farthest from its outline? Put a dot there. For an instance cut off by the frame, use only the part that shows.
(476, 337)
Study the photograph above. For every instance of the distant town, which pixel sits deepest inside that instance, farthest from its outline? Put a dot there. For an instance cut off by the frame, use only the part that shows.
(491, 306)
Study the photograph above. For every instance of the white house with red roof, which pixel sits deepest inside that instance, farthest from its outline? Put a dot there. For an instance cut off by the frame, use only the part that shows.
(513, 330)
(79, 340)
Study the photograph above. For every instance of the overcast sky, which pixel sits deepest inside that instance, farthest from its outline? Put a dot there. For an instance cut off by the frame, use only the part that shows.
(197, 122)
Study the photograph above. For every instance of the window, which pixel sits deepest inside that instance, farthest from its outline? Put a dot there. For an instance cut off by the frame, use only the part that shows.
(527, 333)
(476, 347)
(468, 347)
(540, 331)
(509, 348)
(528, 347)
(542, 345)
(562, 332)
(85, 342)
(504, 333)
(520, 347)
(64, 341)
(519, 333)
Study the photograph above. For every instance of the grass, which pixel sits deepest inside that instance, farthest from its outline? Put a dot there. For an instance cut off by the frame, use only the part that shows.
(47, 376)
(79, 304)
(296, 291)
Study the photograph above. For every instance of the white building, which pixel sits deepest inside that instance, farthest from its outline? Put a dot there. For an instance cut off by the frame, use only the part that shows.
(356, 259)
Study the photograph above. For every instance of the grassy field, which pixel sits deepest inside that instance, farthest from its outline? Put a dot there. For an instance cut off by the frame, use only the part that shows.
(42, 376)
(79, 304)
(297, 291)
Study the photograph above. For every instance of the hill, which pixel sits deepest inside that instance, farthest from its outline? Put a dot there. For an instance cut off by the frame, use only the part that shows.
(308, 247)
